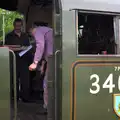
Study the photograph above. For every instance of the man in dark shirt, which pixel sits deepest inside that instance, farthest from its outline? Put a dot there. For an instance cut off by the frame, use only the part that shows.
(16, 37)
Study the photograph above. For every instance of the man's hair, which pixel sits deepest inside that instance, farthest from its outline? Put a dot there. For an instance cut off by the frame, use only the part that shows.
(17, 20)
(37, 23)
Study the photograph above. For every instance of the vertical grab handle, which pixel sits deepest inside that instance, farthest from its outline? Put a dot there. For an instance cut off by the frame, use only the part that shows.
(56, 53)
(14, 82)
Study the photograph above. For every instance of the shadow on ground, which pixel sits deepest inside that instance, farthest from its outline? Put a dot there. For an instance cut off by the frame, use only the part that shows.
(27, 111)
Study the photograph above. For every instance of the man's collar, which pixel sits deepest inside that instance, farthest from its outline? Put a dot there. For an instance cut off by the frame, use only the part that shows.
(14, 33)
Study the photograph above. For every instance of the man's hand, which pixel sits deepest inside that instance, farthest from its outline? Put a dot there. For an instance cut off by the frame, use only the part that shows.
(32, 67)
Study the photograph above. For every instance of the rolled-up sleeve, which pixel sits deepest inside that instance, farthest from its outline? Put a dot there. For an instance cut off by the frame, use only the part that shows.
(40, 44)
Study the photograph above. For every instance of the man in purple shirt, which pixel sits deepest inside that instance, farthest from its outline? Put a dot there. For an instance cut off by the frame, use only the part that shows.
(44, 48)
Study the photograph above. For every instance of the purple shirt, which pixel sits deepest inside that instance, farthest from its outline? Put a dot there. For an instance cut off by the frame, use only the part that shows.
(44, 42)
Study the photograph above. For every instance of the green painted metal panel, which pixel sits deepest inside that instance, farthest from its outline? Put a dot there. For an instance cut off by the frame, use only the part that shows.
(4, 84)
(87, 105)
(68, 56)
(99, 103)
(82, 103)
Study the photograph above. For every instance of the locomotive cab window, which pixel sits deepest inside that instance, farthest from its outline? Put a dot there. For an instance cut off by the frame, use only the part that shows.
(96, 34)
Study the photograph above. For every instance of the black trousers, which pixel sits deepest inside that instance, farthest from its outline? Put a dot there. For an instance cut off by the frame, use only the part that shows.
(22, 77)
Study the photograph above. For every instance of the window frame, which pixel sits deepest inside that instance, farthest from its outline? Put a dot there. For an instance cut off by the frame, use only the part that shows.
(117, 39)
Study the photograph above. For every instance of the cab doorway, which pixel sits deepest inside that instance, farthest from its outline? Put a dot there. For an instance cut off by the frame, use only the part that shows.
(30, 110)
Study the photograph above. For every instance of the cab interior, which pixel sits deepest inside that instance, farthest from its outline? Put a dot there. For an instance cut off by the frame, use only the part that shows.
(40, 11)
(96, 34)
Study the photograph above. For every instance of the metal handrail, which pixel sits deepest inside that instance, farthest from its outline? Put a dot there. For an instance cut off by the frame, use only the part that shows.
(14, 82)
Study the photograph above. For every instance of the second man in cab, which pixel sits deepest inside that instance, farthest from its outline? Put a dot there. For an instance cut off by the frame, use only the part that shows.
(17, 37)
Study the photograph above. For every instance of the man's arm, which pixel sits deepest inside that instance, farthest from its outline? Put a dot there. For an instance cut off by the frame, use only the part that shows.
(40, 44)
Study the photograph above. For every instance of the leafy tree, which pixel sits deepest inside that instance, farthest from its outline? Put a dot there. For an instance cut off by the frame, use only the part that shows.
(9, 17)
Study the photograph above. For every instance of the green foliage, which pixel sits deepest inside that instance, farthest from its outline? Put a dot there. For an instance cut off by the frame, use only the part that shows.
(8, 20)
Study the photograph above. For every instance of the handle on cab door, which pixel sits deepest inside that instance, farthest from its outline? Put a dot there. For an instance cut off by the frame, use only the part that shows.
(56, 90)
